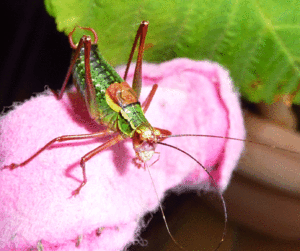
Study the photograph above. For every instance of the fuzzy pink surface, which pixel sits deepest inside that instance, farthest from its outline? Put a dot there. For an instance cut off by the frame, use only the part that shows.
(35, 200)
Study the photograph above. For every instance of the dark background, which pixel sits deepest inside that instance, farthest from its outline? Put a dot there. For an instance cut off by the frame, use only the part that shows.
(34, 54)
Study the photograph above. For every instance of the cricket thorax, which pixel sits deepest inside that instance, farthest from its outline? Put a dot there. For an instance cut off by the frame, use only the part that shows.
(122, 99)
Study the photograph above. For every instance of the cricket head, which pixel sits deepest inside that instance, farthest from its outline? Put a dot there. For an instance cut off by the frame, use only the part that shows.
(145, 139)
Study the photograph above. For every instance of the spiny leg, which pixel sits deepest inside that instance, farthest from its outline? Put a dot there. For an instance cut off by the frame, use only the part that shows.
(90, 92)
(137, 79)
(59, 139)
(148, 100)
(91, 154)
(79, 240)
(69, 72)
(99, 231)
(77, 48)
(40, 246)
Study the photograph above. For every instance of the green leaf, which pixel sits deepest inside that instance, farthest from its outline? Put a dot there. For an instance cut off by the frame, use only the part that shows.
(258, 41)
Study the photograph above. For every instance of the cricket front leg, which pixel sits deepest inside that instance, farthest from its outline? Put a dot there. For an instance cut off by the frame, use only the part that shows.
(91, 154)
(59, 139)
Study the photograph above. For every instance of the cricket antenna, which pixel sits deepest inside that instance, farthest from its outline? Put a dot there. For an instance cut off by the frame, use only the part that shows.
(215, 186)
(225, 137)
(162, 211)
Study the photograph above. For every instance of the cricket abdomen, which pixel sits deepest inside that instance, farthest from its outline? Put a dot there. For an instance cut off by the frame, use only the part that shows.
(116, 116)
(103, 75)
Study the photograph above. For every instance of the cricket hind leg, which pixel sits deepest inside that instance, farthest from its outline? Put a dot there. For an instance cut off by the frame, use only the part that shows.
(84, 41)
(59, 139)
(137, 78)
(69, 72)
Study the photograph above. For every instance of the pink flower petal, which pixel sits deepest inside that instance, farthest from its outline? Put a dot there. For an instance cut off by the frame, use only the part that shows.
(35, 200)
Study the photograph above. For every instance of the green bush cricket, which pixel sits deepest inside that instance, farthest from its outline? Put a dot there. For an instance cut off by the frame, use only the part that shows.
(112, 102)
